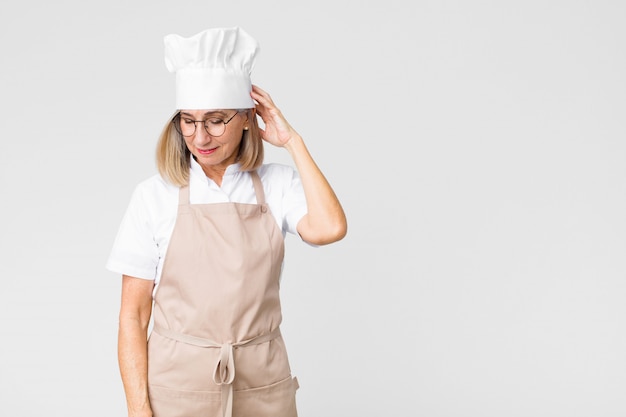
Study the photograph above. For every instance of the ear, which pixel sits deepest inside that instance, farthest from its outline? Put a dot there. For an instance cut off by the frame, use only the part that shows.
(251, 111)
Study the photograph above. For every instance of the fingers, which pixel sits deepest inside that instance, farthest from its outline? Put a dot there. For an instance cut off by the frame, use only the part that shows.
(266, 108)
(259, 91)
(261, 96)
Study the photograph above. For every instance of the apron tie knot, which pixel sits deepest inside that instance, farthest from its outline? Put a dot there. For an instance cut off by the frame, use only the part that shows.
(224, 372)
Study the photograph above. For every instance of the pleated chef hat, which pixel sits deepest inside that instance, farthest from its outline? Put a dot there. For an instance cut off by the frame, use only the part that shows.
(212, 68)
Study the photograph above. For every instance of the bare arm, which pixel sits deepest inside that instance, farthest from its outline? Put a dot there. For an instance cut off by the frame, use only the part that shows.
(325, 221)
(132, 347)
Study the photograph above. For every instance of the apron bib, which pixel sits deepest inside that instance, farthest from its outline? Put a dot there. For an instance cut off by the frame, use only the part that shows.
(215, 349)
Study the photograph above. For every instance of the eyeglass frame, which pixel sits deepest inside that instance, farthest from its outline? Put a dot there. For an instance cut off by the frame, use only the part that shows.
(177, 119)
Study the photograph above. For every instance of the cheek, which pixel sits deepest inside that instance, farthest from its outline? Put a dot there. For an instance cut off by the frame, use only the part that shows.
(233, 141)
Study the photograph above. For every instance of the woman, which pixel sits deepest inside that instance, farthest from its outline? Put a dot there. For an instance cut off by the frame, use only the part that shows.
(200, 247)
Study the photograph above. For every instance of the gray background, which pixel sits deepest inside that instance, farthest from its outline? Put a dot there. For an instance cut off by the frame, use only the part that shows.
(478, 148)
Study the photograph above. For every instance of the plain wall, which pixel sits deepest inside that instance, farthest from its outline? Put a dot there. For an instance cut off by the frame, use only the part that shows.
(478, 148)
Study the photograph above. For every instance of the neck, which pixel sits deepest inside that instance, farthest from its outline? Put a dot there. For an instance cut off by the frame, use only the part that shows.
(215, 173)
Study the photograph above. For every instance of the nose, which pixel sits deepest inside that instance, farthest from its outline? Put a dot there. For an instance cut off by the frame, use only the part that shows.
(201, 134)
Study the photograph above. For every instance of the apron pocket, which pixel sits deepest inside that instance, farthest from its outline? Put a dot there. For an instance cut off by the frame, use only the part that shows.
(275, 400)
(168, 402)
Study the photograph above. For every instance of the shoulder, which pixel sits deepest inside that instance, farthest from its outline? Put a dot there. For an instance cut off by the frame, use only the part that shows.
(275, 172)
(154, 192)
(280, 180)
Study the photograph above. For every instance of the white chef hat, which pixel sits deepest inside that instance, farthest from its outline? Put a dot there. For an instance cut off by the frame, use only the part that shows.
(212, 68)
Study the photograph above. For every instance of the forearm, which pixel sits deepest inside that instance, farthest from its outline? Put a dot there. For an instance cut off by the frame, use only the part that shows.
(325, 221)
(133, 362)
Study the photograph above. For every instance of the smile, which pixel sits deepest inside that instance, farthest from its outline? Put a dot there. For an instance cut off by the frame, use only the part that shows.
(206, 151)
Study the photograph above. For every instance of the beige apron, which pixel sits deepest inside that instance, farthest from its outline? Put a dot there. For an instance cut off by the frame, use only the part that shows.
(216, 349)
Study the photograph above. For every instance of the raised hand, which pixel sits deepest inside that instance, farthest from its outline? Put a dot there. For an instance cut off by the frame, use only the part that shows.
(277, 130)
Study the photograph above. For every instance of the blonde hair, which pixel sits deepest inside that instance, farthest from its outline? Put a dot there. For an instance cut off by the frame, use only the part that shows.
(172, 154)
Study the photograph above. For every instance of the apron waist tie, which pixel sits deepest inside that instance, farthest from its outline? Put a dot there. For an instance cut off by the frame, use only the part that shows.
(224, 372)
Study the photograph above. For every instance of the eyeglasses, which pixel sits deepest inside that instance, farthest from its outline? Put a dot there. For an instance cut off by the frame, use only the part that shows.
(213, 126)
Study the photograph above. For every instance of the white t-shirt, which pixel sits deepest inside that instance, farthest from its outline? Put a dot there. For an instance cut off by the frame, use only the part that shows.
(145, 231)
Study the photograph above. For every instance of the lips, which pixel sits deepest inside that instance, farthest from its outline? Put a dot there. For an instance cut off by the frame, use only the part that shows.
(206, 151)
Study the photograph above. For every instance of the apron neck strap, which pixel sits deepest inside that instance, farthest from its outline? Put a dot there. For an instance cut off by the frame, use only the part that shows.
(258, 187)
(183, 195)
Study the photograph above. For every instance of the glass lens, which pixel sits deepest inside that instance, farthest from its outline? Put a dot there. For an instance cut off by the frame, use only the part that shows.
(215, 127)
(186, 126)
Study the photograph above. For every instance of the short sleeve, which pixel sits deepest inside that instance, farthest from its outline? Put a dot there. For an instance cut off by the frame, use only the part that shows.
(135, 252)
(294, 202)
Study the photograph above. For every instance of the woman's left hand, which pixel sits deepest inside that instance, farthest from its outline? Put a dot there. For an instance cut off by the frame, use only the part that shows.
(277, 130)
(325, 221)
